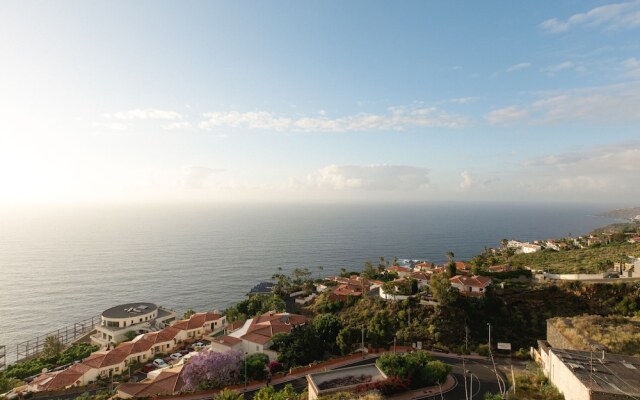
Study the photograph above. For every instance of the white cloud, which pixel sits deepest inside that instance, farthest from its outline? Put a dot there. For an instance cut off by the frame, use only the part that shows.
(177, 125)
(145, 114)
(194, 176)
(518, 67)
(611, 17)
(387, 178)
(397, 119)
(467, 180)
(618, 103)
(632, 66)
(116, 126)
(599, 172)
(506, 115)
(553, 69)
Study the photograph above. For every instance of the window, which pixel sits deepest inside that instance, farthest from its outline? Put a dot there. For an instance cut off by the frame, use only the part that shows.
(257, 348)
(117, 369)
(140, 319)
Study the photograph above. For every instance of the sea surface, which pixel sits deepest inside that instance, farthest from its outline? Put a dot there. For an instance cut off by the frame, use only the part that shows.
(59, 265)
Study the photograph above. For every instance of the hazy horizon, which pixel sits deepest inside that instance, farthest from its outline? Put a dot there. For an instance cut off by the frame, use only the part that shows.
(319, 102)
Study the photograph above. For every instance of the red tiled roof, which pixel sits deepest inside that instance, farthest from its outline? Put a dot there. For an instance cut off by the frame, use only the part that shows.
(397, 268)
(166, 383)
(227, 340)
(164, 335)
(473, 281)
(263, 327)
(64, 378)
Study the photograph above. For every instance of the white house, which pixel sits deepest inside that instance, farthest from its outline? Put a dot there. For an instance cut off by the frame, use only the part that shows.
(137, 317)
(470, 285)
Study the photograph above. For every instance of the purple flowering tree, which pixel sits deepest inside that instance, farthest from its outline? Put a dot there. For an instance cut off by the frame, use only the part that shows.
(211, 370)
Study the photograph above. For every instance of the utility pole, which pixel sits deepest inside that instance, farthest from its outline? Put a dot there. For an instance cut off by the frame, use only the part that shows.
(362, 346)
(464, 368)
(470, 385)
(495, 369)
(245, 371)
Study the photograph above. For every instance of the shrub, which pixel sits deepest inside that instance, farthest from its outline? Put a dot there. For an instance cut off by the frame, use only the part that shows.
(418, 367)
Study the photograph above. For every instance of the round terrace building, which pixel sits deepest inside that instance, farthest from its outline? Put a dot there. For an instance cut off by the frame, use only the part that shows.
(137, 317)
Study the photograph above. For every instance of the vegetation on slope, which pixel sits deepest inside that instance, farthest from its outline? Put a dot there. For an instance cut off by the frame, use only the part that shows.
(589, 260)
(618, 334)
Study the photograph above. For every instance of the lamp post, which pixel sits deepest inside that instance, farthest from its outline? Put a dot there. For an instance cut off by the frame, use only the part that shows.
(495, 369)
(471, 385)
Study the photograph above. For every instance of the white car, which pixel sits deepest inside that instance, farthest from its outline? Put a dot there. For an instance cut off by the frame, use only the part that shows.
(159, 363)
(199, 344)
(176, 356)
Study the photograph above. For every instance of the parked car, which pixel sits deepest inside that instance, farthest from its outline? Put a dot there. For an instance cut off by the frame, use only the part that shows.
(168, 360)
(159, 363)
(175, 356)
(185, 352)
(148, 368)
(199, 344)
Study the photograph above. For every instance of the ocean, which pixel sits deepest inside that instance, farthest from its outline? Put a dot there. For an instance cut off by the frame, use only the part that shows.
(59, 265)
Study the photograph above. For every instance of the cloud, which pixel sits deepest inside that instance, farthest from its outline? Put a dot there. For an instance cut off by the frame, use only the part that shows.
(618, 103)
(506, 115)
(177, 125)
(601, 172)
(610, 17)
(194, 177)
(553, 69)
(116, 126)
(145, 114)
(370, 178)
(396, 119)
(632, 66)
(518, 67)
(467, 180)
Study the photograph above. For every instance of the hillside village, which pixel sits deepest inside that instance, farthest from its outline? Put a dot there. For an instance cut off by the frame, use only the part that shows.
(141, 350)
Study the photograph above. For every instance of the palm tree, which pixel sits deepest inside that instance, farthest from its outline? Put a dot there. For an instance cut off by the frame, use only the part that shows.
(450, 256)
(320, 269)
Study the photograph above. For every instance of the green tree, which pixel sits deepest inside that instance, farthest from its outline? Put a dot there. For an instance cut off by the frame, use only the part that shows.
(256, 366)
(327, 327)
(269, 393)
(369, 271)
(52, 347)
(301, 346)
(450, 256)
(187, 314)
(347, 338)
(451, 269)
(440, 286)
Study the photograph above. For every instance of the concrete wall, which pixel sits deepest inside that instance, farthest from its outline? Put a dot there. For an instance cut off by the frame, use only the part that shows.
(573, 277)
(566, 382)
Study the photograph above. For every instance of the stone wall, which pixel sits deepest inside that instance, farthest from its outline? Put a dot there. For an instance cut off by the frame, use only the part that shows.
(557, 339)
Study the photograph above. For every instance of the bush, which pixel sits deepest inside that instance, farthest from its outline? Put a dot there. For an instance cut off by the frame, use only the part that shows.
(256, 366)
(483, 350)
(418, 367)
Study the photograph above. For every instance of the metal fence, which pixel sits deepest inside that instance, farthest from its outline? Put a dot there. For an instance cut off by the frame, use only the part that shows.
(67, 335)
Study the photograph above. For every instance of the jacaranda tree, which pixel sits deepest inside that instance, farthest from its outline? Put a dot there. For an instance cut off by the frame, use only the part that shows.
(211, 370)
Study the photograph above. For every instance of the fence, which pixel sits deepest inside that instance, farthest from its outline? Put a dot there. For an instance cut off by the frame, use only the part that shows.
(66, 335)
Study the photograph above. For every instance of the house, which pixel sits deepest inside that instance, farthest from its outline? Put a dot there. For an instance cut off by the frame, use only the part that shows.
(257, 332)
(590, 375)
(169, 381)
(355, 286)
(225, 343)
(401, 271)
(499, 268)
(474, 285)
(140, 318)
(143, 348)
(422, 277)
(200, 324)
(635, 239)
(527, 248)
(423, 266)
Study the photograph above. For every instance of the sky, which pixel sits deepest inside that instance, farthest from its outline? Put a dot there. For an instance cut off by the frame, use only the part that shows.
(319, 101)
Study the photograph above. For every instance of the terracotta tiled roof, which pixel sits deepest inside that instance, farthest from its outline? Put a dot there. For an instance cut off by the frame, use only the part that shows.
(473, 281)
(65, 378)
(227, 340)
(166, 383)
(164, 335)
(397, 268)
(262, 328)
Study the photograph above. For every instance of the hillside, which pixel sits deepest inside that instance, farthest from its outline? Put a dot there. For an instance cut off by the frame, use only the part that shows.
(622, 213)
(588, 260)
